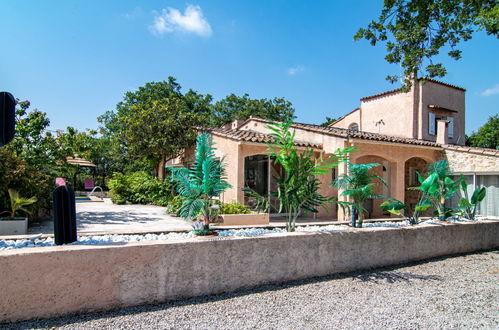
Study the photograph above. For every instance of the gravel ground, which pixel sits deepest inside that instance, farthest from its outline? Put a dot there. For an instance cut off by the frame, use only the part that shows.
(454, 292)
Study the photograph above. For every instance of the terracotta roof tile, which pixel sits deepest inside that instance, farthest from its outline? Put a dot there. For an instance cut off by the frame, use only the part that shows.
(475, 150)
(252, 136)
(442, 83)
(381, 94)
(346, 133)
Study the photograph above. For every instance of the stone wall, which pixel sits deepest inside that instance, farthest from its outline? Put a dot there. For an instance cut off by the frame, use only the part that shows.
(472, 160)
(52, 281)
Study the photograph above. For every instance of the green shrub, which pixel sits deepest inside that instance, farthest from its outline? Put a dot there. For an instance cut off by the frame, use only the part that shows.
(139, 188)
(16, 174)
(234, 208)
(173, 206)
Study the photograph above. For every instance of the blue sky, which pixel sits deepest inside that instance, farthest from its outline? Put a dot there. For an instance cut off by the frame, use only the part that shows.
(75, 59)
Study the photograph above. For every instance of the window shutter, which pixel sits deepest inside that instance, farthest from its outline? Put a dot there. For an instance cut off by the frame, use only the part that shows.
(450, 129)
(431, 123)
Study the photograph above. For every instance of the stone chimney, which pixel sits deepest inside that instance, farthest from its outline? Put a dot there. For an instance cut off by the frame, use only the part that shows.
(442, 131)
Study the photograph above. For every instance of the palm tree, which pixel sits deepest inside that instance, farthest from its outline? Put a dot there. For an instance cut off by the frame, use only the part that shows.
(298, 188)
(203, 181)
(358, 186)
(438, 186)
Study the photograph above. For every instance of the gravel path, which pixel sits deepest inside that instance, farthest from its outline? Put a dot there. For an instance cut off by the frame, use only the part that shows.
(455, 292)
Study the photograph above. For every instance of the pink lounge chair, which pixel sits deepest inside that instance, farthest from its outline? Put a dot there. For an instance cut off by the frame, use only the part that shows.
(89, 184)
(60, 181)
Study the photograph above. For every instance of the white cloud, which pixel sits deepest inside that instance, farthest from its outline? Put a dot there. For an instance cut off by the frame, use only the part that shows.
(491, 91)
(172, 20)
(295, 70)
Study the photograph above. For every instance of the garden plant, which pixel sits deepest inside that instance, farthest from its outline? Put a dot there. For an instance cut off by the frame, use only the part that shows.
(396, 207)
(467, 207)
(358, 185)
(298, 187)
(201, 183)
(17, 204)
(438, 187)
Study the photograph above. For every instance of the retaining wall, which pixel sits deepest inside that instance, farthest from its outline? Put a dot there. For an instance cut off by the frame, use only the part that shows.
(50, 281)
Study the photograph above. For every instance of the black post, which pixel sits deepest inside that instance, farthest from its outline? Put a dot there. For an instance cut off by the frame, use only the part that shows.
(7, 117)
(354, 216)
(64, 215)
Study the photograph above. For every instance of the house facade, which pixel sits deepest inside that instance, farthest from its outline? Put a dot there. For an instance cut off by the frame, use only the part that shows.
(402, 131)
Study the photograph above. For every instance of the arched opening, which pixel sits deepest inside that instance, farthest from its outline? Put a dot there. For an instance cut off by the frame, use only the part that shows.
(413, 166)
(384, 171)
(353, 127)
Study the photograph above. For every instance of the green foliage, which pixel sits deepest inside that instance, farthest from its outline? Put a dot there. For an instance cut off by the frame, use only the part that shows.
(174, 205)
(156, 121)
(437, 187)
(203, 181)
(29, 163)
(328, 121)
(298, 188)
(242, 107)
(358, 185)
(467, 207)
(256, 201)
(487, 136)
(234, 208)
(139, 188)
(415, 31)
(18, 203)
(396, 207)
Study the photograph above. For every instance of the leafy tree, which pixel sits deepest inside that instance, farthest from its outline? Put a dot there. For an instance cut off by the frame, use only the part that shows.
(328, 121)
(298, 187)
(199, 184)
(155, 122)
(359, 187)
(487, 136)
(29, 163)
(415, 31)
(242, 107)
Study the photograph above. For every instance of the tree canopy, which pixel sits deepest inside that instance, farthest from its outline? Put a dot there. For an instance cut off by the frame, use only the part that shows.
(487, 136)
(415, 31)
(156, 122)
(328, 121)
(242, 107)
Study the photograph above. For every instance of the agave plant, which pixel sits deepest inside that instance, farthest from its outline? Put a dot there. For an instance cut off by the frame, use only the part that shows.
(298, 187)
(466, 207)
(437, 187)
(359, 187)
(17, 203)
(201, 183)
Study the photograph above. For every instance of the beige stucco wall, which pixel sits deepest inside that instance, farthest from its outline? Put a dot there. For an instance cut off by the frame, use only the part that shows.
(346, 121)
(396, 110)
(396, 157)
(53, 281)
(472, 162)
(445, 97)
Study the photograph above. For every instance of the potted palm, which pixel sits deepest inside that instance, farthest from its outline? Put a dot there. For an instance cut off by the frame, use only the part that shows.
(359, 187)
(12, 224)
(199, 185)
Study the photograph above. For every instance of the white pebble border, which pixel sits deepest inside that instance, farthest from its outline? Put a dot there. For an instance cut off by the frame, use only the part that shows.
(36, 241)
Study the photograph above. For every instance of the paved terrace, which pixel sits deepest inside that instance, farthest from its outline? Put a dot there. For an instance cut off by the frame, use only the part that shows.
(106, 217)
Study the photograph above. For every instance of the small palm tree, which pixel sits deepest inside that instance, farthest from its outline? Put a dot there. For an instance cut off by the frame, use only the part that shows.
(17, 203)
(203, 181)
(359, 187)
(437, 187)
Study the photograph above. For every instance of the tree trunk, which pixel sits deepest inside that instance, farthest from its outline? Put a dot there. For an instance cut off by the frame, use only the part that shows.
(161, 168)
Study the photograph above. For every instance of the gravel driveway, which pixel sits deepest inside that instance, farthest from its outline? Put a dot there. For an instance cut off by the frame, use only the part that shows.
(455, 292)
